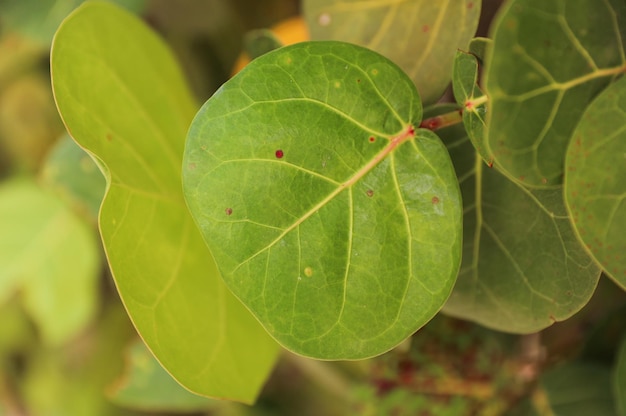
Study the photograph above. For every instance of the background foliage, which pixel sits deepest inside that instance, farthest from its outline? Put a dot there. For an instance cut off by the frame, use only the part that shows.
(539, 226)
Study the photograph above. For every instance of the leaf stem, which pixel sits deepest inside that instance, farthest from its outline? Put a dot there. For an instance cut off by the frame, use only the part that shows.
(443, 120)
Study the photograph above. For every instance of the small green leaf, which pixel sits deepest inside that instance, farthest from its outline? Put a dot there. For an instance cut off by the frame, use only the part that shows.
(548, 60)
(329, 216)
(51, 255)
(147, 386)
(523, 268)
(127, 103)
(74, 176)
(469, 96)
(595, 180)
(421, 36)
(479, 47)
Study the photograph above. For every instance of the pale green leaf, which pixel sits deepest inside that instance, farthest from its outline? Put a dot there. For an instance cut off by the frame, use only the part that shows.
(523, 267)
(123, 98)
(421, 36)
(547, 61)
(595, 180)
(331, 217)
(51, 256)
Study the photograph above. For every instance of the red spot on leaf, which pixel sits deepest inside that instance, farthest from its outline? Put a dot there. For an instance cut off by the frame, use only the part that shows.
(228, 211)
(425, 28)
(435, 200)
(470, 5)
(544, 181)
(431, 123)
(490, 163)
(522, 177)
(109, 137)
(279, 154)
(372, 139)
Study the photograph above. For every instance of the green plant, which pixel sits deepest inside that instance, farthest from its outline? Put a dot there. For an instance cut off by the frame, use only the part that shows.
(325, 200)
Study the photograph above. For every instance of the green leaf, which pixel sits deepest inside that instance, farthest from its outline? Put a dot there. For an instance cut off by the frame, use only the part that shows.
(479, 47)
(595, 180)
(123, 98)
(39, 19)
(547, 61)
(74, 176)
(619, 379)
(577, 389)
(147, 386)
(51, 256)
(523, 268)
(421, 36)
(469, 96)
(329, 216)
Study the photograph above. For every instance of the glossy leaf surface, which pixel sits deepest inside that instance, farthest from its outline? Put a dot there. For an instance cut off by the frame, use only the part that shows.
(595, 181)
(127, 103)
(51, 257)
(523, 267)
(331, 217)
(547, 61)
(421, 36)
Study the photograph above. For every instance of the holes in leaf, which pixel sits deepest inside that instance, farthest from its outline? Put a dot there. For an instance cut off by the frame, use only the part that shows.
(279, 154)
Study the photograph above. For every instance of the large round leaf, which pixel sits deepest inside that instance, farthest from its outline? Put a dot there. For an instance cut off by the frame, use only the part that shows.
(332, 218)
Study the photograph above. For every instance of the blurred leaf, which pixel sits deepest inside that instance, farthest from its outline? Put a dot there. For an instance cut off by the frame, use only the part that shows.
(548, 60)
(29, 122)
(39, 19)
(619, 379)
(128, 104)
(71, 381)
(469, 96)
(479, 46)
(577, 389)
(260, 41)
(329, 215)
(523, 267)
(147, 386)
(74, 176)
(595, 181)
(421, 36)
(50, 255)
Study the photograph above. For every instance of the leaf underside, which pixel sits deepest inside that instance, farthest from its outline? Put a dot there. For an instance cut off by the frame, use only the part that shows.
(595, 180)
(329, 216)
(547, 61)
(421, 36)
(523, 268)
(128, 105)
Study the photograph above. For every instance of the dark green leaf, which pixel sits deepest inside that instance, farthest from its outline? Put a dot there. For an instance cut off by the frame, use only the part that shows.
(548, 60)
(127, 103)
(523, 268)
(595, 180)
(421, 36)
(329, 215)
(619, 379)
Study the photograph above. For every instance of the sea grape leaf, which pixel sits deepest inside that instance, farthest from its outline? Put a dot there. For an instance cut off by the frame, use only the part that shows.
(331, 217)
(127, 104)
(51, 257)
(478, 47)
(75, 177)
(576, 389)
(421, 36)
(473, 102)
(619, 378)
(595, 180)
(523, 267)
(547, 61)
(146, 386)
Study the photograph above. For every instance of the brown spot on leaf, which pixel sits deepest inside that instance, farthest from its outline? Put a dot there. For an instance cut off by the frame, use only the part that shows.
(435, 200)
(370, 193)
(228, 211)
